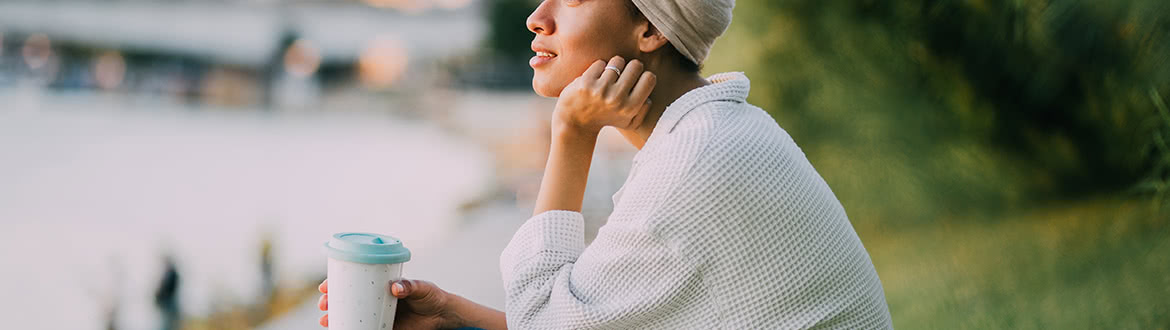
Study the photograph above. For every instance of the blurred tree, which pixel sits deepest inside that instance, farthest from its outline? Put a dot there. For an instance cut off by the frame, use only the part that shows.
(1060, 72)
(503, 61)
(960, 105)
(1158, 180)
(508, 35)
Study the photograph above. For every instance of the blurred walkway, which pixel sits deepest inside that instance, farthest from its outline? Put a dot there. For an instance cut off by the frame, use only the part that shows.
(104, 188)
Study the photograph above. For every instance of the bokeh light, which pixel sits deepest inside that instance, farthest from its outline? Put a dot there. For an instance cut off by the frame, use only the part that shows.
(407, 6)
(37, 50)
(382, 63)
(452, 4)
(109, 69)
(302, 59)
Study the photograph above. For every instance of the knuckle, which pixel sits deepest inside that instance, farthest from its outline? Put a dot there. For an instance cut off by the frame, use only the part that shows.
(431, 292)
(635, 65)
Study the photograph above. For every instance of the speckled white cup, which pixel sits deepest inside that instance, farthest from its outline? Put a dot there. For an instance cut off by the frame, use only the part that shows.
(361, 268)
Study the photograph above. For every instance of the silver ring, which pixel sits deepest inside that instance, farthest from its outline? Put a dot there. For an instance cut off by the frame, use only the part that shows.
(615, 69)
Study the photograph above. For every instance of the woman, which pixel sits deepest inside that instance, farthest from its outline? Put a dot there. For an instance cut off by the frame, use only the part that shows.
(722, 223)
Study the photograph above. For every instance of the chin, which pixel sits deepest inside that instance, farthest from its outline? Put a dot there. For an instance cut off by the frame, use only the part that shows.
(539, 89)
(546, 89)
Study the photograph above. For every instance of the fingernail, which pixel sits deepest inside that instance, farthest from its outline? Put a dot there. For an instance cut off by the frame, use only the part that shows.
(397, 288)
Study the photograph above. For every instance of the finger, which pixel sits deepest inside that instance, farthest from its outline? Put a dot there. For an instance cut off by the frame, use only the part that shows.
(642, 111)
(609, 76)
(412, 289)
(629, 77)
(594, 70)
(323, 302)
(324, 287)
(324, 320)
(642, 89)
(398, 289)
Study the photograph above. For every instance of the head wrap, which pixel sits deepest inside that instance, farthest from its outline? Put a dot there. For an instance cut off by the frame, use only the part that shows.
(690, 25)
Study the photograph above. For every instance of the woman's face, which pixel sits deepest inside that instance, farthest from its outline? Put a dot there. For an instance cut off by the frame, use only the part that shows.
(572, 34)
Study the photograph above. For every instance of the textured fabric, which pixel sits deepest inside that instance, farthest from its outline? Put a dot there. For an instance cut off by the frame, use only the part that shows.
(721, 224)
(691, 25)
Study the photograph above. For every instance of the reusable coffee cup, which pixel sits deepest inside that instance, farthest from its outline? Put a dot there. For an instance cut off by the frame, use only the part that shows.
(361, 266)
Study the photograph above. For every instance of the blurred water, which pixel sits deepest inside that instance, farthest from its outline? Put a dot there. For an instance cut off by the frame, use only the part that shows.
(94, 190)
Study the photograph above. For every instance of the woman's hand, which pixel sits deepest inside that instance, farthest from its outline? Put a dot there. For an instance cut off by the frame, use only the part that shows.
(600, 97)
(421, 305)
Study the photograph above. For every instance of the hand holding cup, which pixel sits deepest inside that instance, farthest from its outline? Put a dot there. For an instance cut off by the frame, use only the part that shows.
(421, 305)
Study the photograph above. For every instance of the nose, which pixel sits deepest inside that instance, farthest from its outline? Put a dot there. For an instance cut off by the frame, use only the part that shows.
(540, 21)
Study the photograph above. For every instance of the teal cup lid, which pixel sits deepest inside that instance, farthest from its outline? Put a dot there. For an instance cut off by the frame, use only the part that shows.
(367, 248)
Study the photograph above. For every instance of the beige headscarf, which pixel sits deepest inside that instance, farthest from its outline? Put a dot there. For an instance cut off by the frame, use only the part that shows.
(690, 25)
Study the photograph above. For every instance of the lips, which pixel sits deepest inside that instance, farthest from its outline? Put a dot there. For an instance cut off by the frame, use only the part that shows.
(543, 56)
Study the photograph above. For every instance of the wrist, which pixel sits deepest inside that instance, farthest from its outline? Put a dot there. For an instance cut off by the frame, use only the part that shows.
(451, 315)
(563, 130)
(462, 313)
(563, 123)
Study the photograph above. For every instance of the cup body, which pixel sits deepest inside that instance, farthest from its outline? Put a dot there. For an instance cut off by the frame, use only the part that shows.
(359, 295)
(361, 267)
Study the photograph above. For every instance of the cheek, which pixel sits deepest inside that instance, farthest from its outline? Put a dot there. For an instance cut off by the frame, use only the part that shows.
(550, 81)
(581, 45)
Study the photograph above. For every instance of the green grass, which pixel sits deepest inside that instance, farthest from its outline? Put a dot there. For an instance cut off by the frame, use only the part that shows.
(1087, 265)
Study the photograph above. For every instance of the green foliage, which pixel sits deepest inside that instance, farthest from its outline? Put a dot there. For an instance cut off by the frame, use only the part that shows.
(1158, 181)
(924, 109)
(508, 35)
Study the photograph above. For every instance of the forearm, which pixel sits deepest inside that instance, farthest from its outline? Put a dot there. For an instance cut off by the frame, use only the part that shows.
(569, 157)
(562, 188)
(470, 314)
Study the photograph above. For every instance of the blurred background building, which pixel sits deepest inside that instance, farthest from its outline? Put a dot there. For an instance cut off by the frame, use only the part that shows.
(271, 54)
(171, 164)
